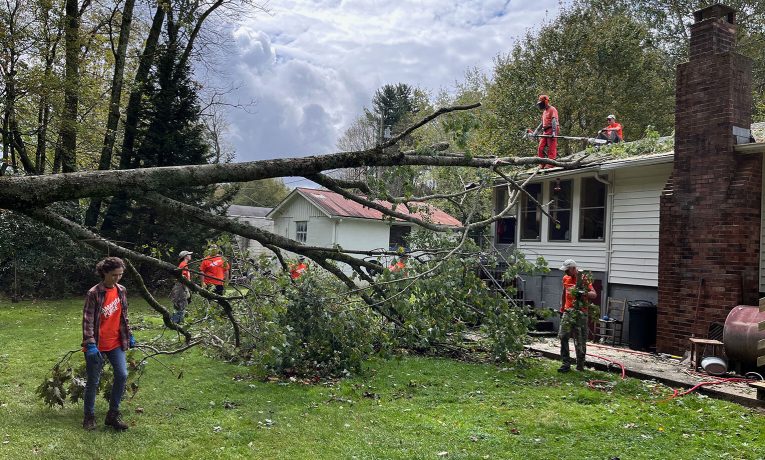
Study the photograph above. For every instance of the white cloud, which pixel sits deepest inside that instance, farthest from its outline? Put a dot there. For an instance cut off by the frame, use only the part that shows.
(312, 65)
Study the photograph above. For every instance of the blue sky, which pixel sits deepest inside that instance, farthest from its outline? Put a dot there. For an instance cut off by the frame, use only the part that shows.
(311, 66)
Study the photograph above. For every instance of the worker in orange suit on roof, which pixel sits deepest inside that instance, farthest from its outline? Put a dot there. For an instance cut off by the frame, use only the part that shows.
(548, 146)
(613, 132)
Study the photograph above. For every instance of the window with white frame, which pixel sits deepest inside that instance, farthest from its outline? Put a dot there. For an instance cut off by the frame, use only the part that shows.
(592, 210)
(561, 194)
(301, 231)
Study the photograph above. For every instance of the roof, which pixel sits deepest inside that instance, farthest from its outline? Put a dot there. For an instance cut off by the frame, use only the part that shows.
(236, 210)
(335, 205)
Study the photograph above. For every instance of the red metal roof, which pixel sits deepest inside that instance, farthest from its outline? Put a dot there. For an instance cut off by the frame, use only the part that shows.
(335, 204)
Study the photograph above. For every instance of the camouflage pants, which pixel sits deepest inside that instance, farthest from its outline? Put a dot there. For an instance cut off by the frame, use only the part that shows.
(179, 295)
(578, 330)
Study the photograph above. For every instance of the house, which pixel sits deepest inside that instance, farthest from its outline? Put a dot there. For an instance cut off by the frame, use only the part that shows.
(682, 228)
(257, 217)
(323, 218)
(608, 221)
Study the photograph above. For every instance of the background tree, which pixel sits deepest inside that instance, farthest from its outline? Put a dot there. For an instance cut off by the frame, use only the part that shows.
(264, 193)
(592, 62)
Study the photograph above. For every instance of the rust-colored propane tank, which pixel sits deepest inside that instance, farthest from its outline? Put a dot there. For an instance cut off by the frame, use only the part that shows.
(740, 334)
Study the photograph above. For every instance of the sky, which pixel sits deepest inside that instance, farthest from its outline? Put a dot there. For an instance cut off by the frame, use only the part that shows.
(311, 66)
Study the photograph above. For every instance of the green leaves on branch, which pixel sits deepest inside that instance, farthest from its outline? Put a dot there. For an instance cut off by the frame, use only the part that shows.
(67, 379)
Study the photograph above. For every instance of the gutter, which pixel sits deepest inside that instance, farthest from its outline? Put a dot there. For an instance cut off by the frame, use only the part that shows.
(648, 160)
(752, 148)
(609, 233)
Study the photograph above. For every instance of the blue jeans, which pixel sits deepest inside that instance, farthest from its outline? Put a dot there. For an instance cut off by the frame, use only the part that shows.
(94, 365)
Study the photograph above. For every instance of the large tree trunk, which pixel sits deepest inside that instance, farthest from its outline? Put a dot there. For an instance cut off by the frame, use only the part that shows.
(68, 144)
(91, 216)
(118, 205)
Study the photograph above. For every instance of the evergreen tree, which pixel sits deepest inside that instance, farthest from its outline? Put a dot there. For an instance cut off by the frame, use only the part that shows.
(170, 134)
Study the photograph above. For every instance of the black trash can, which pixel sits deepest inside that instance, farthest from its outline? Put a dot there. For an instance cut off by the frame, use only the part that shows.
(642, 335)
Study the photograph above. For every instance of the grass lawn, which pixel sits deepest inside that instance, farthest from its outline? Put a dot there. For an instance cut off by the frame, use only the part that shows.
(410, 408)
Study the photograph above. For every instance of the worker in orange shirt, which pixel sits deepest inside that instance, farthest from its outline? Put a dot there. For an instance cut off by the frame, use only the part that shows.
(573, 324)
(400, 264)
(215, 270)
(297, 270)
(613, 132)
(548, 146)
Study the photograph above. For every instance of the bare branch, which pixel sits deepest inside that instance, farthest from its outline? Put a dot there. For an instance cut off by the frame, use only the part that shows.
(166, 317)
(175, 208)
(330, 183)
(81, 234)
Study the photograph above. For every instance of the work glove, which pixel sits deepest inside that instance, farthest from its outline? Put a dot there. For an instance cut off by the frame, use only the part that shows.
(91, 350)
(132, 341)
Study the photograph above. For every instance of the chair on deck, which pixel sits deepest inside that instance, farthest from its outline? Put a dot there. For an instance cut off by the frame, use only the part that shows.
(611, 325)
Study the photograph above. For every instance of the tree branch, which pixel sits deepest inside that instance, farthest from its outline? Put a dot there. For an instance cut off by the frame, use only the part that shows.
(27, 191)
(81, 234)
(175, 208)
(330, 183)
(166, 317)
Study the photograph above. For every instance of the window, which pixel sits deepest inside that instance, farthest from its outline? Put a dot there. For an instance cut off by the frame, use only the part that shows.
(592, 210)
(506, 230)
(301, 230)
(531, 215)
(505, 227)
(398, 236)
(560, 210)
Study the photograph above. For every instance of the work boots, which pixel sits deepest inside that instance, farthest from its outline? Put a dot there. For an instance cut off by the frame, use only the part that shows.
(89, 422)
(564, 368)
(580, 365)
(114, 420)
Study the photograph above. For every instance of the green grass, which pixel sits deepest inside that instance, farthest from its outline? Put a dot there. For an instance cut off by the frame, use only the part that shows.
(410, 408)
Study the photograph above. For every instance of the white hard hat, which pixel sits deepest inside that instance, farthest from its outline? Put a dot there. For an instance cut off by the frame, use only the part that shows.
(568, 263)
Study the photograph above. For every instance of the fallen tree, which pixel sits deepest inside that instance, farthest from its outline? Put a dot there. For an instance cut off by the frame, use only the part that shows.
(382, 294)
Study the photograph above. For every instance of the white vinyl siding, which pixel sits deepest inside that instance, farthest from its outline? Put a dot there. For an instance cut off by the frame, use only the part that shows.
(635, 224)
(298, 209)
(588, 256)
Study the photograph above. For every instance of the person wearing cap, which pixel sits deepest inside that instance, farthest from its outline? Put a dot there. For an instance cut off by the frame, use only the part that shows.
(297, 270)
(570, 324)
(179, 294)
(400, 264)
(215, 270)
(613, 132)
(548, 146)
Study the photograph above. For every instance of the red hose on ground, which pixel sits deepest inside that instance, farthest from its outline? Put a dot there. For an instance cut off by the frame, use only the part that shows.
(702, 384)
(624, 373)
(594, 383)
(675, 393)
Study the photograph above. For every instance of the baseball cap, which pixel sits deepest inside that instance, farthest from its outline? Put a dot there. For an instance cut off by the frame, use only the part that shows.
(612, 117)
(568, 263)
(185, 253)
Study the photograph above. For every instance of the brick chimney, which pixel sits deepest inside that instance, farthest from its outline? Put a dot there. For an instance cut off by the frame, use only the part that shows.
(709, 238)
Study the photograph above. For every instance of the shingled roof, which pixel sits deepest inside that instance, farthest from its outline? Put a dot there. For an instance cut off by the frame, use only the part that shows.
(335, 205)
